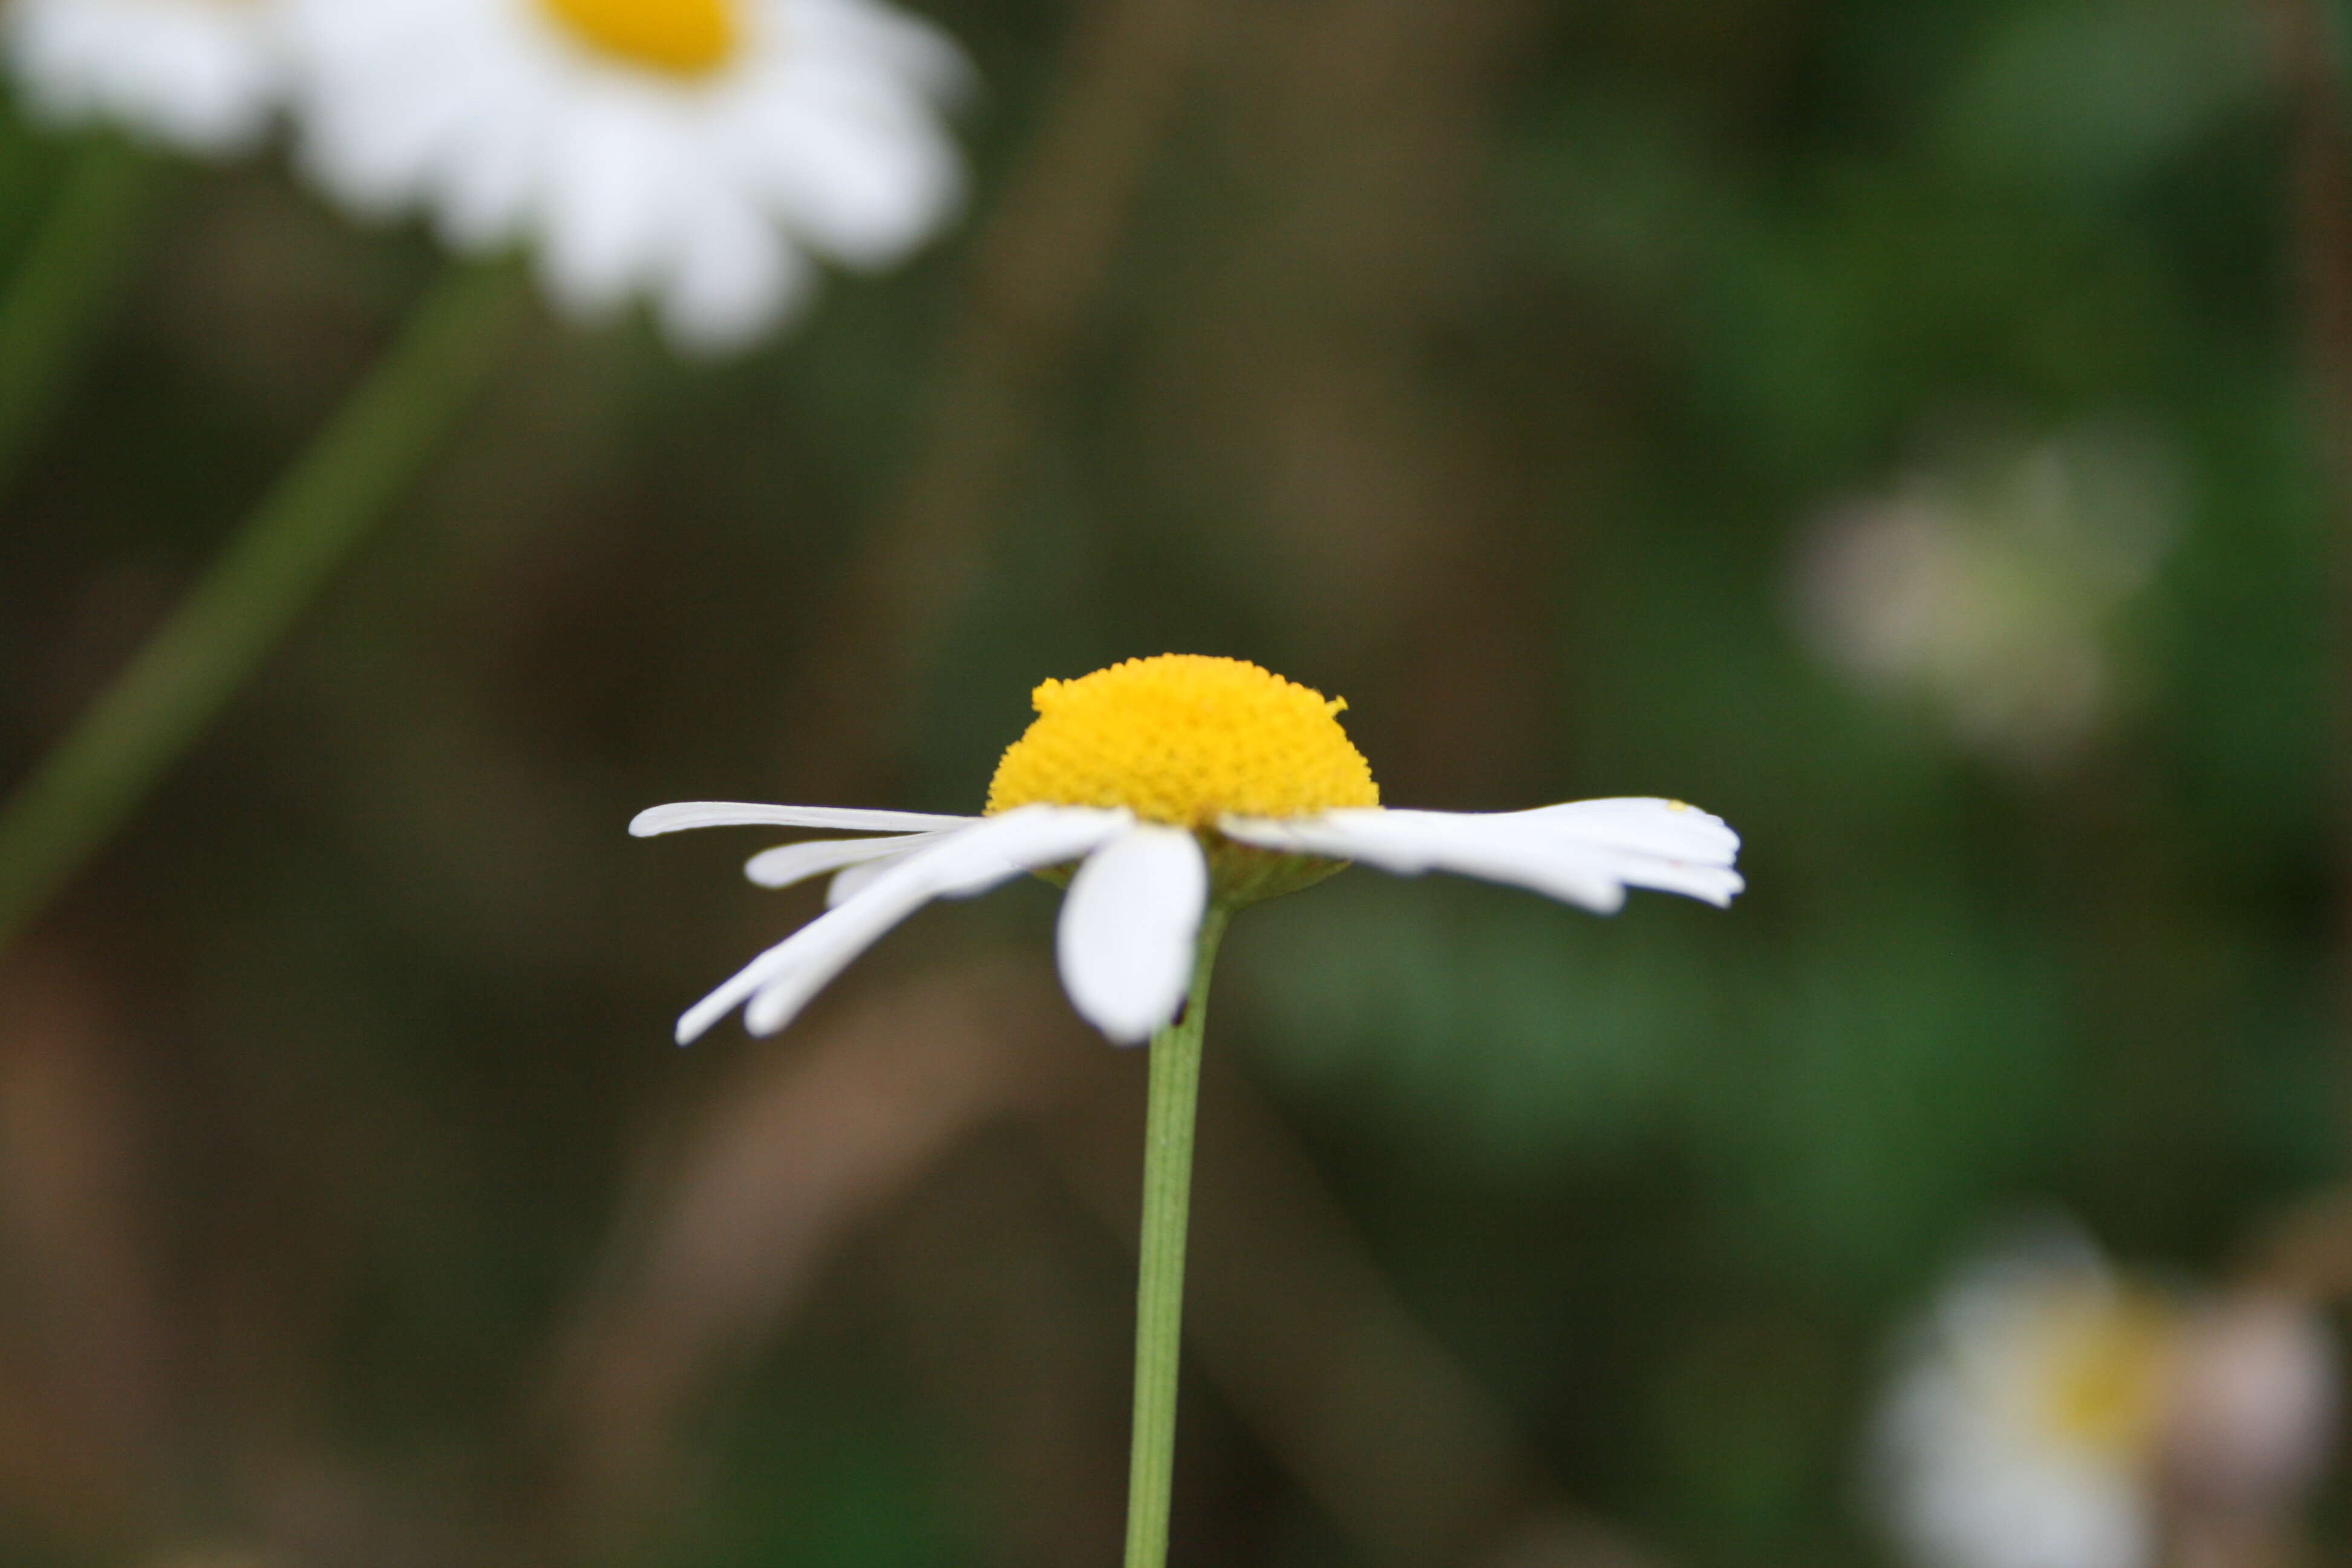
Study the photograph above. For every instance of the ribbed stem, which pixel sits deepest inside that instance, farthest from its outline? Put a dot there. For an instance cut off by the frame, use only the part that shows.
(57, 305)
(1160, 1284)
(272, 568)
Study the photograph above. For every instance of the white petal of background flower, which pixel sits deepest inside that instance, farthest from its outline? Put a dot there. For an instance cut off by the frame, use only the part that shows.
(1128, 927)
(692, 813)
(730, 276)
(859, 173)
(487, 195)
(609, 204)
(202, 76)
(1586, 853)
(892, 47)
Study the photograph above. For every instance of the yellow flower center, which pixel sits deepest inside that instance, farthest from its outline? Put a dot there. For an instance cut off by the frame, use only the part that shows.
(1183, 738)
(682, 38)
(2111, 1362)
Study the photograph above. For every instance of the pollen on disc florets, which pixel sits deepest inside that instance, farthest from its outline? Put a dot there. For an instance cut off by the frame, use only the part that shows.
(1184, 738)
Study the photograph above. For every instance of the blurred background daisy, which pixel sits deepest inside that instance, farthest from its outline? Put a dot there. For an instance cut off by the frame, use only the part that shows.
(700, 154)
(2050, 1412)
(1991, 585)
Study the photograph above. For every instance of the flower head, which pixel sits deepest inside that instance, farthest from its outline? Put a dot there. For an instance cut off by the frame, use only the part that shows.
(2022, 1429)
(2051, 1412)
(1169, 784)
(1993, 586)
(695, 153)
(199, 76)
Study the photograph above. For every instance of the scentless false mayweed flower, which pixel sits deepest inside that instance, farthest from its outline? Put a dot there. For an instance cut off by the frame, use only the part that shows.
(694, 153)
(2023, 1425)
(198, 76)
(1994, 586)
(2051, 1411)
(1174, 790)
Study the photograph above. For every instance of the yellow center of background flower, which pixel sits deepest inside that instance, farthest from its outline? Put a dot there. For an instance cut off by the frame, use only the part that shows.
(682, 38)
(1184, 738)
(2111, 1368)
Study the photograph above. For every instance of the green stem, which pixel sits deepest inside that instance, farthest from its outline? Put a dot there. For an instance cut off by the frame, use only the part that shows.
(74, 271)
(271, 569)
(1160, 1284)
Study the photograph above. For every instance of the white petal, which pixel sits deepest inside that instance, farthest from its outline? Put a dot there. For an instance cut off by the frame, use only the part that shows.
(845, 883)
(981, 854)
(201, 78)
(487, 189)
(732, 275)
(1411, 842)
(1128, 927)
(688, 813)
(866, 184)
(1667, 827)
(886, 40)
(962, 864)
(1588, 858)
(790, 863)
(609, 205)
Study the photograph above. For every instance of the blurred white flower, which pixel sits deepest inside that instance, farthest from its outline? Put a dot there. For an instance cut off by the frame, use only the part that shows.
(1988, 586)
(696, 153)
(2049, 1413)
(199, 76)
(2019, 1430)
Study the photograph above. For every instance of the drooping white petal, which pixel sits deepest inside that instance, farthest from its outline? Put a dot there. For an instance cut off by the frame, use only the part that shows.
(847, 881)
(1127, 930)
(780, 982)
(687, 814)
(834, 938)
(1586, 858)
(790, 863)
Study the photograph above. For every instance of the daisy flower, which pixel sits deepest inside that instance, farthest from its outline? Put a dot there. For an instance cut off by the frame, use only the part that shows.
(1995, 585)
(694, 153)
(1168, 789)
(2023, 1428)
(200, 76)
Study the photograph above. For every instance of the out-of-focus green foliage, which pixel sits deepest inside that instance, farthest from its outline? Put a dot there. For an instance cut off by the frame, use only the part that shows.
(1489, 363)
